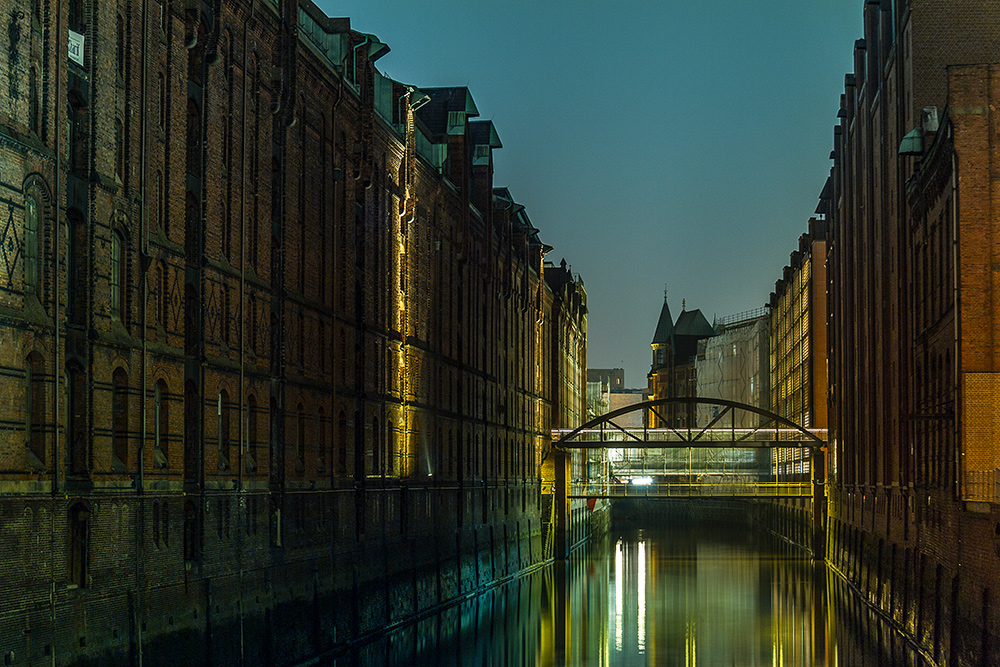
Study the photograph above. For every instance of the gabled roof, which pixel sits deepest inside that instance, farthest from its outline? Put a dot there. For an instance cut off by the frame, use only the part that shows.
(693, 323)
(483, 132)
(664, 327)
(434, 114)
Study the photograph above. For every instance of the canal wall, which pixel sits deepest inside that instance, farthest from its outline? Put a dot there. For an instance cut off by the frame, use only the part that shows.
(930, 567)
(789, 520)
(329, 587)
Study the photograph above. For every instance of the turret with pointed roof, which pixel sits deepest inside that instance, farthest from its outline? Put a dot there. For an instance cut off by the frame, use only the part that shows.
(675, 346)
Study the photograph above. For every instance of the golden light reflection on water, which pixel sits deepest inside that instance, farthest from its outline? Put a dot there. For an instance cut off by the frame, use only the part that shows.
(680, 596)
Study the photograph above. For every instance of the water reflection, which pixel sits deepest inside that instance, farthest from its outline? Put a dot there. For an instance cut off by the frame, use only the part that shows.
(715, 595)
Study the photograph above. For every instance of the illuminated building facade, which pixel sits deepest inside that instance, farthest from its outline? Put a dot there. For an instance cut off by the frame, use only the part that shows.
(798, 362)
(282, 361)
(913, 329)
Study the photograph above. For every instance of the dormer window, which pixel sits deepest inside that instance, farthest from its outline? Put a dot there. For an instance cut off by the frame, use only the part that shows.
(456, 122)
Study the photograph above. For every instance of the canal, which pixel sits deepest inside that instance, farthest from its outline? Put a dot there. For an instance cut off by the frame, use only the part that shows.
(655, 593)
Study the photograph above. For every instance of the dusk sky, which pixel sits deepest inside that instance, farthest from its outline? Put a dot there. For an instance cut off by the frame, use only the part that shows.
(655, 144)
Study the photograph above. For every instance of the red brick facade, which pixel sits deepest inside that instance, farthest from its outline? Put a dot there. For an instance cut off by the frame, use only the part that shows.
(280, 361)
(910, 319)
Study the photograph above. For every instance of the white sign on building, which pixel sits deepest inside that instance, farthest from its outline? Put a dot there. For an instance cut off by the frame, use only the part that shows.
(76, 47)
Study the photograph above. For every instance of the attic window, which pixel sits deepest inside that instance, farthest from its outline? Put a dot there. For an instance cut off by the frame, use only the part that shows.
(482, 154)
(456, 122)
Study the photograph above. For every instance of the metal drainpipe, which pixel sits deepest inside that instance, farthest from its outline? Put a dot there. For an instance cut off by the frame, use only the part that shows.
(243, 255)
(144, 243)
(956, 372)
(354, 62)
(58, 375)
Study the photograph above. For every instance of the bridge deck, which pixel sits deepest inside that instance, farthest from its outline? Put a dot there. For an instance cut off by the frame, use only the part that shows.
(693, 490)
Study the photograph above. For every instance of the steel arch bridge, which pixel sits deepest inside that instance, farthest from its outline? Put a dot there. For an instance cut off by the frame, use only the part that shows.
(737, 451)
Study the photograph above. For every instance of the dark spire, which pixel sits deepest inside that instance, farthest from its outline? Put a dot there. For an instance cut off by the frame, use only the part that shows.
(665, 326)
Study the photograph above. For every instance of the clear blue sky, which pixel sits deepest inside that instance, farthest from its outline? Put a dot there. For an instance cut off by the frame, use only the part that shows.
(654, 142)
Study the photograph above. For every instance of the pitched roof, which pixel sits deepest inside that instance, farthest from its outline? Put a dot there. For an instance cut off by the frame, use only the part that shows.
(434, 114)
(664, 327)
(693, 323)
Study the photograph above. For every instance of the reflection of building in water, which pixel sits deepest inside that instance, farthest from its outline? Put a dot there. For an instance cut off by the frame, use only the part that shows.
(691, 597)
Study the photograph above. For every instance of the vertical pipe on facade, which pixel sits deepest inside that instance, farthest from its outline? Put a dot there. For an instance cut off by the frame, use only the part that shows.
(144, 266)
(956, 363)
(58, 200)
(244, 426)
(354, 62)
(57, 395)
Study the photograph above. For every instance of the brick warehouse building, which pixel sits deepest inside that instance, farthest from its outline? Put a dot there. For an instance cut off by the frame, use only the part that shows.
(281, 362)
(914, 518)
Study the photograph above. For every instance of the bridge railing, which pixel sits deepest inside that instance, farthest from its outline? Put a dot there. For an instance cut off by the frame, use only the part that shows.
(982, 485)
(693, 489)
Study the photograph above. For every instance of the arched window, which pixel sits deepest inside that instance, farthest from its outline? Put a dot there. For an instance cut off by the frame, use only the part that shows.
(161, 424)
(226, 316)
(322, 345)
(225, 143)
(191, 432)
(254, 76)
(121, 46)
(251, 433)
(321, 440)
(30, 245)
(193, 215)
(119, 416)
(161, 98)
(376, 448)
(116, 274)
(76, 435)
(191, 540)
(252, 322)
(34, 406)
(342, 443)
(79, 550)
(76, 16)
(224, 424)
(193, 137)
(302, 339)
(390, 452)
(76, 134)
(156, 523)
(119, 150)
(161, 203)
(165, 522)
(34, 124)
(163, 294)
(300, 435)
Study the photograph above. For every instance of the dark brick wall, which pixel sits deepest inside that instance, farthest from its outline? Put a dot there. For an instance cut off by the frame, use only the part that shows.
(283, 246)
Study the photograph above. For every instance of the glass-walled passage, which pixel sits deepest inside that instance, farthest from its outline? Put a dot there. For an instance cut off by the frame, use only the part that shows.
(679, 593)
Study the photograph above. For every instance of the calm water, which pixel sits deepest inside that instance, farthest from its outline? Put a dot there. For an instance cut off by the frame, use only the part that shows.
(713, 596)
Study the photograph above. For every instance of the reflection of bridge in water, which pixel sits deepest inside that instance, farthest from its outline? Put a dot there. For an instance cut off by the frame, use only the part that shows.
(741, 452)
